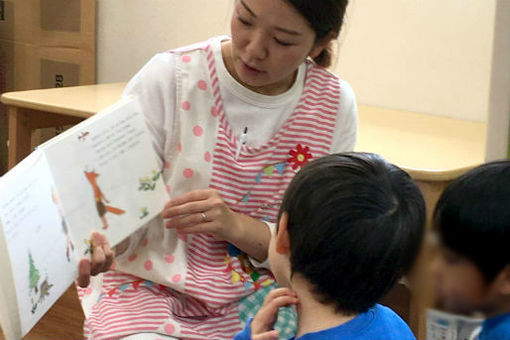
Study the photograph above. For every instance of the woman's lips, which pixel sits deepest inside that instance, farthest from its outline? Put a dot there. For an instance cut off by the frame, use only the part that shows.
(251, 70)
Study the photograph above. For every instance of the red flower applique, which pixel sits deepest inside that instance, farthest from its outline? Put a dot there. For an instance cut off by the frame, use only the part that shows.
(300, 156)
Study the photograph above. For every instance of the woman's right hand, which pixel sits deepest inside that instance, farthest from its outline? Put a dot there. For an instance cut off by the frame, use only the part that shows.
(101, 259)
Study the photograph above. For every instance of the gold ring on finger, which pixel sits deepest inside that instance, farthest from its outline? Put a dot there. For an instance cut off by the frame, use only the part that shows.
(204, 217)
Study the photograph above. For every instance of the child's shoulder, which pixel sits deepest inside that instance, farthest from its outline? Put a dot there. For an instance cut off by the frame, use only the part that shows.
(386, 321)
(497, 327)
(378, 323)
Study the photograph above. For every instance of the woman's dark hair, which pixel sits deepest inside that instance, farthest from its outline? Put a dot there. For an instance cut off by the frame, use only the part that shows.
(473, 217)
(355, 226)
(324, 16)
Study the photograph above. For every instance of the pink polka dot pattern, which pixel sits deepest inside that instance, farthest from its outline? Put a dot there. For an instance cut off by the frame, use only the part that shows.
(168, 189)
(207, 157)
(169, 258)
(188, 173)
(202, 85)
(186, 105)
(198, 130)
(132, 257)
(145, 242)
(88, 291)
(148, 265)
(176, 278)
(113, 266)
(167, 165)
(215, 112)
(179, 147)
(169, 328)
(186, 58)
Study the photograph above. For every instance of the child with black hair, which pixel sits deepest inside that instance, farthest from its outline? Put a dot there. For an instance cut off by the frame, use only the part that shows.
(473, 269)
(350, 225)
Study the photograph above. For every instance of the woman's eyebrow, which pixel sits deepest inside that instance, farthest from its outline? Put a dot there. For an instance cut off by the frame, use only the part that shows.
(286, 30)
(248, 8)
(281, 29)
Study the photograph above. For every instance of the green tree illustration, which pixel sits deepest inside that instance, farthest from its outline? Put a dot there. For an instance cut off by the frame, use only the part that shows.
(33, 274)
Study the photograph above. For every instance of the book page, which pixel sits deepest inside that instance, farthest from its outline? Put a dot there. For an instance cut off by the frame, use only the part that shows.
(107, 175)
(9, 317)
(447, 326)
(36, 237)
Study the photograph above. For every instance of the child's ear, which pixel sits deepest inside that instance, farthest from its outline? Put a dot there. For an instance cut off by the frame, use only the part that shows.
(503, 280)
(282, 240)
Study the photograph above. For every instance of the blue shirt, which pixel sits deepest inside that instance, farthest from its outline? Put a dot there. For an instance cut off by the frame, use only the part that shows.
(378, 323)
(496, 328)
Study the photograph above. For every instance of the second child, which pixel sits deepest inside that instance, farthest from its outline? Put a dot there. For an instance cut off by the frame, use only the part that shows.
(473, 268)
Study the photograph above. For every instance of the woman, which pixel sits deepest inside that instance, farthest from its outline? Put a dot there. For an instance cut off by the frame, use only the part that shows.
(232, 119)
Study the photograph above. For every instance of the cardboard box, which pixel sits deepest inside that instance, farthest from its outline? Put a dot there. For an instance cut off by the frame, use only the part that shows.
(44, 44)
(6, 76)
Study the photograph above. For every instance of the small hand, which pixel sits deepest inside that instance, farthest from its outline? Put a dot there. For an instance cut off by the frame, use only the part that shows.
(263, 323)
(102, 259)
(201, 211)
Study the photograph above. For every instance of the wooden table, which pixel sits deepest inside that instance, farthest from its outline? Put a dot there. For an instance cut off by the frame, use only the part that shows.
(434, 150)
(30, 110)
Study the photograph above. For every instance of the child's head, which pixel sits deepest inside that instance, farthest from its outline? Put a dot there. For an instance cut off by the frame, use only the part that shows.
(473, 222)
(351, 225)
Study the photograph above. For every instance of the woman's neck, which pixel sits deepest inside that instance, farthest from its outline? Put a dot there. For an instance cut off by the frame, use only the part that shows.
(314, 316)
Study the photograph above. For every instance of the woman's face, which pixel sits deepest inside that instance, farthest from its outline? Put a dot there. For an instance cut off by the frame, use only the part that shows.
(270, 39)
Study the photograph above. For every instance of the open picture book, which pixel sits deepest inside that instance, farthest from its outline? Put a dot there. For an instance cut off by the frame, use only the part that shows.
(100, 175)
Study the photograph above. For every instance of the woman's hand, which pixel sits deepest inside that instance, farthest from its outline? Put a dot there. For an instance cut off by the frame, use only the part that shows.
(204, 211)
(263, 323)
(201, 211)
(100, 262)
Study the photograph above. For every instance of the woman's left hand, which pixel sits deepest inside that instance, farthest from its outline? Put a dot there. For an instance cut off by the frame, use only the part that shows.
(201, 211)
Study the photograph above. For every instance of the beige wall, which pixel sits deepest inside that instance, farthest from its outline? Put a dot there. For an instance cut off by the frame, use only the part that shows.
(130, 32)
(498, 129)
(430, 56)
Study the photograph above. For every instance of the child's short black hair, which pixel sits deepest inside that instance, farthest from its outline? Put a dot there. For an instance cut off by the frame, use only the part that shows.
(355, 226)
(472, 217)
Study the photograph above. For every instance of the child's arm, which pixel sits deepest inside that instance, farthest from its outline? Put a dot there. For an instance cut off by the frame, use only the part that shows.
(261, 327)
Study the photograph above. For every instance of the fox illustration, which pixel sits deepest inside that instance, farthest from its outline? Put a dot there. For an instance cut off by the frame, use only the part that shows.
(99, 197)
